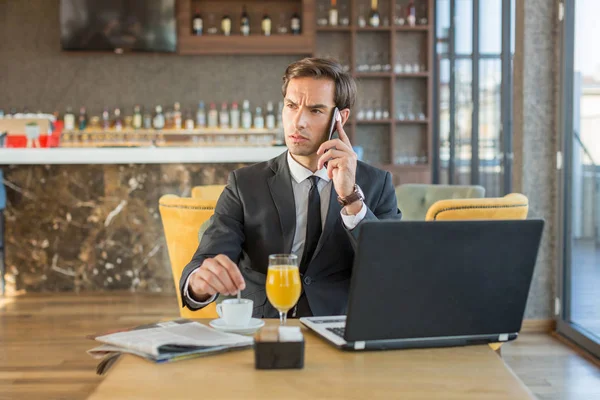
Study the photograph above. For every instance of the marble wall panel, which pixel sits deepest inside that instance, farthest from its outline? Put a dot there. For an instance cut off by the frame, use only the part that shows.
(94, 227)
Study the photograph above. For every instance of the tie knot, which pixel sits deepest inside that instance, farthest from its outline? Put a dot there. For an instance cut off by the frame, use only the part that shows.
(314, 180)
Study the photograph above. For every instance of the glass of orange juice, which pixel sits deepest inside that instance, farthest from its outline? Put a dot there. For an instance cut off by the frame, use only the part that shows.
(283, 283)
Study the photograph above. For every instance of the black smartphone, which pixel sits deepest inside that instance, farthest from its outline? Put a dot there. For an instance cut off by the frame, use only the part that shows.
(333, 127)
(333, 124)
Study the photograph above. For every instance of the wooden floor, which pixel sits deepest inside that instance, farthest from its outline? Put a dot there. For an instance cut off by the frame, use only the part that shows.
(551, 369)
(43, 347)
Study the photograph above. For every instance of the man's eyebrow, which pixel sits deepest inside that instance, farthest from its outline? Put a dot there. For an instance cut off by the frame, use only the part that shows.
(311, 106)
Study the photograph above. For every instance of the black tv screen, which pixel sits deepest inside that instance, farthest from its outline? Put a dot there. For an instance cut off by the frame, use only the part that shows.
(128, 25)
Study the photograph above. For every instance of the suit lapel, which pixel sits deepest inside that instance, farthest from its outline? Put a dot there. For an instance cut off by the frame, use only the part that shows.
(333, 214)
(280, 185)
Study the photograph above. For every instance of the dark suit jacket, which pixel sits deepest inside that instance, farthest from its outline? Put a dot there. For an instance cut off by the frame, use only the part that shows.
(256, 216)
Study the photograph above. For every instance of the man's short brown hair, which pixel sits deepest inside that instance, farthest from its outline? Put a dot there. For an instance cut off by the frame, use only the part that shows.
(324, 68)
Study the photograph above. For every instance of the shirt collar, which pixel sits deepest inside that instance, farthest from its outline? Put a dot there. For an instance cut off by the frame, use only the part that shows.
(300, 173)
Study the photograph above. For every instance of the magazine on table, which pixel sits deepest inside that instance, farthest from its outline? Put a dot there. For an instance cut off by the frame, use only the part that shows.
(165, 342)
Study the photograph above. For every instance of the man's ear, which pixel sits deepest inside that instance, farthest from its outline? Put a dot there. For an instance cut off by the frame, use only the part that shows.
(345, 114)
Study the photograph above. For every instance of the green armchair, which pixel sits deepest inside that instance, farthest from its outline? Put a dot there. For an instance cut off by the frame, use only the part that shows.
(415, 199)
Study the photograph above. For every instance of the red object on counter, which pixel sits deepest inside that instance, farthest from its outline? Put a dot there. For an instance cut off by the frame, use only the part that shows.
(16, 141)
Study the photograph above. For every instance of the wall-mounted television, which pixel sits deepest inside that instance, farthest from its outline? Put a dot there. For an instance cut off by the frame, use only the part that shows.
(118, 25)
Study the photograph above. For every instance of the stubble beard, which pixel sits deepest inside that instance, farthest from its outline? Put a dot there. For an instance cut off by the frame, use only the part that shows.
(305, 149)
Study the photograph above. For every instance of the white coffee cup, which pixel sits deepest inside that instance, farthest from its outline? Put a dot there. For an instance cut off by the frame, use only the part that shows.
(236, 312)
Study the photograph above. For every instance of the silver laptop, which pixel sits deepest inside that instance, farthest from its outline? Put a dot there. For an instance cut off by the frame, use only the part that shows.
(435, 284)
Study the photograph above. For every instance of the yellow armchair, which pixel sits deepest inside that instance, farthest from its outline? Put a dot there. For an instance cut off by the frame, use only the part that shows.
(181, 218)
(414, 199)
(511, 206)
(207, 192)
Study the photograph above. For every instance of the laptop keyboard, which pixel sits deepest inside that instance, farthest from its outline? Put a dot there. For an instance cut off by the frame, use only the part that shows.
(328, 321)
(338, 331)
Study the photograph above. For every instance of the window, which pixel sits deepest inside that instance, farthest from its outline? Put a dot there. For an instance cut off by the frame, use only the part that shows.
(474, 79)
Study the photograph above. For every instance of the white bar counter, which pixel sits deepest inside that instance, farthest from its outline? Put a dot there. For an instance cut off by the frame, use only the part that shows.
(138, 155)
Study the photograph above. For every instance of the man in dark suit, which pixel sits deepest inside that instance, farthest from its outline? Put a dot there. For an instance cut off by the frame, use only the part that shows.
(294, 204)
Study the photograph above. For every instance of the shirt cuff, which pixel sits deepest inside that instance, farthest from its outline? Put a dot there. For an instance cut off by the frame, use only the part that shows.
(350, 221)
(190, 300)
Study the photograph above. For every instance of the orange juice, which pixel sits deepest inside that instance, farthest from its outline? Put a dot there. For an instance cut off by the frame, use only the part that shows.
(283, 286)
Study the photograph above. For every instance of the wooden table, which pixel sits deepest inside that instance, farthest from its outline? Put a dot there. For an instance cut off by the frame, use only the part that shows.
(473, 372)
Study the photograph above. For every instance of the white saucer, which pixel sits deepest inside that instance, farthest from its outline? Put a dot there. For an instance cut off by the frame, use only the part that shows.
(254, 325)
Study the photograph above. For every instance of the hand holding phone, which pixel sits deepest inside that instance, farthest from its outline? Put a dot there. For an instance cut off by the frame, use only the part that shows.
(337, 153)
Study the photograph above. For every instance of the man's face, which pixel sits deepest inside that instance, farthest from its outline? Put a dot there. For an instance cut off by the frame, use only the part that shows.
(308, 107)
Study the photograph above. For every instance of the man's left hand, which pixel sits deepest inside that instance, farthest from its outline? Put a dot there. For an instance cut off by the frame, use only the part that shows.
(341, 162)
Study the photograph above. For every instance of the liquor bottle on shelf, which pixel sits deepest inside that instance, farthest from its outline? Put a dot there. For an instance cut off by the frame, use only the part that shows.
(128, 122)
(68, 119)
(234, 116)
(270, 119)
(201, 116)
(159, 118)
(282, 26)
(344, 15)
(246, 115)
(105, 119)
(137, 117)
(93, 122)
(259, 120)
(147, 120)
(399, 19)
(362, 22)
(423, 17)
(83, 119)
(296, 24)
(322, 15)
(213, 116)
(177, 117)
(224, 116)
(118, 120)
(245, 22)
(266, 25)
(333, 13)
(411, 14)
(189, 120)
(374, 18)
(197, 23)
(169, 123)
(212, 25)
(226, 25)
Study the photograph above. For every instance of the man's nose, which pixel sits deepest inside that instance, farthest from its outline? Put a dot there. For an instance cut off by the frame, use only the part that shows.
(300, 119)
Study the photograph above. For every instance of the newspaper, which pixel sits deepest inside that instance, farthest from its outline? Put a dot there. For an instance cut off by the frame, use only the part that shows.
(165, 342)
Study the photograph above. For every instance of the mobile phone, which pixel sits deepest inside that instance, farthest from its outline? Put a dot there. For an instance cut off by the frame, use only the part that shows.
(333, 124)
(333, 127)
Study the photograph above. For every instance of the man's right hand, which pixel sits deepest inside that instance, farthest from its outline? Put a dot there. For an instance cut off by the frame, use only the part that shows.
(216, 275)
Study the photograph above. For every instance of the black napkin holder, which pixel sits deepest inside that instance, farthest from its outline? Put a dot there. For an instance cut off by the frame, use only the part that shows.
(274, 352)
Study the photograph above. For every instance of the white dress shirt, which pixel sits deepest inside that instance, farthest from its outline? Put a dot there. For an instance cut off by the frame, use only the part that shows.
(301, 186)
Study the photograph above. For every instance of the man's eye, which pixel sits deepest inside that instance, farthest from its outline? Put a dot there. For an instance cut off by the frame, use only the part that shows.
(291, 106)
(317, 112)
